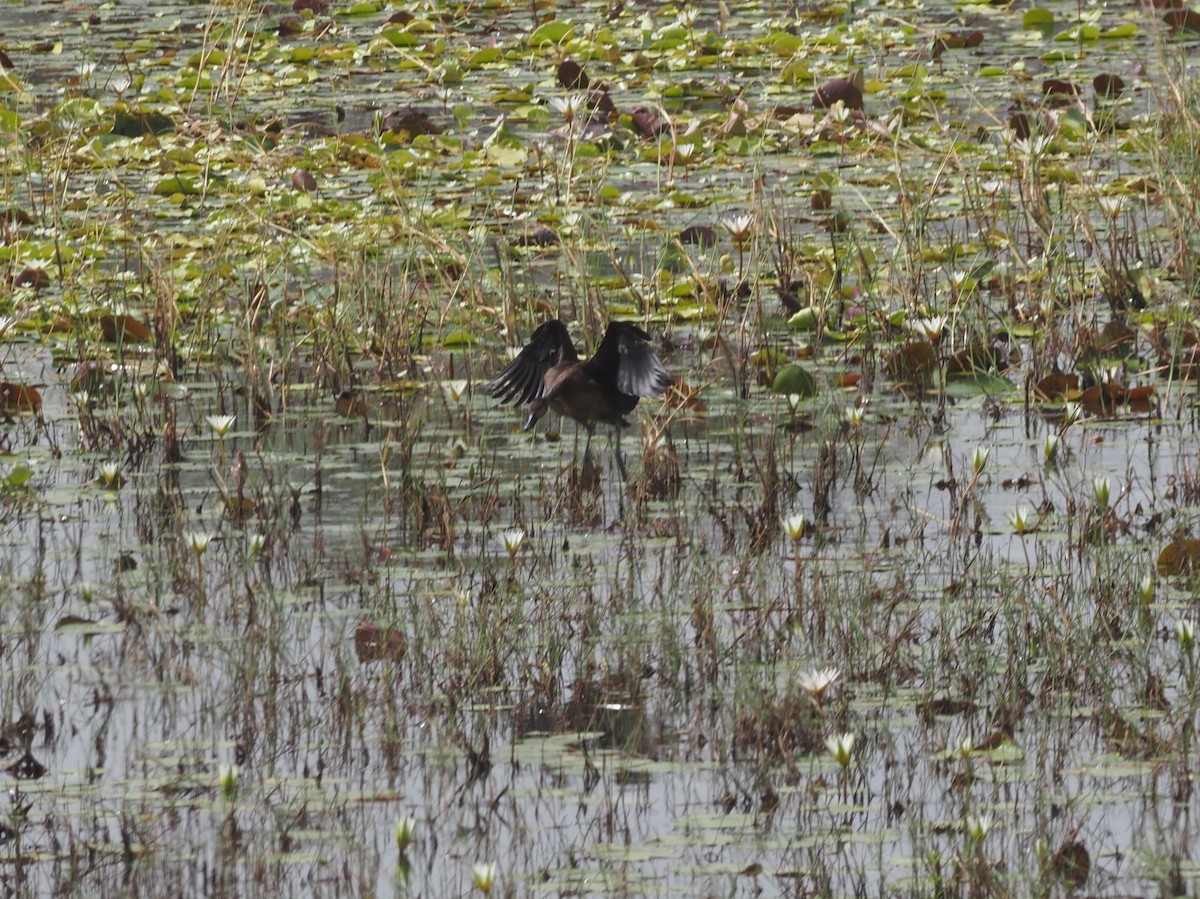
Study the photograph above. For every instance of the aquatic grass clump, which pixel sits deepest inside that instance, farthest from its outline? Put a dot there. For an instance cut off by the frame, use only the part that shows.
(360, 634)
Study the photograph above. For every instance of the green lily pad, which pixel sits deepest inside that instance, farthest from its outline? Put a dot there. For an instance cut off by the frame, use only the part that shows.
(553, 32)
(795, 380)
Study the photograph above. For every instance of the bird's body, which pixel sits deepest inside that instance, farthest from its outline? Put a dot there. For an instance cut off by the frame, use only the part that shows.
(548, 374)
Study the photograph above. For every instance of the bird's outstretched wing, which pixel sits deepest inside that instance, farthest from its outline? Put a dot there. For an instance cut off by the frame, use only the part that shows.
(524, 379)
(626, 360)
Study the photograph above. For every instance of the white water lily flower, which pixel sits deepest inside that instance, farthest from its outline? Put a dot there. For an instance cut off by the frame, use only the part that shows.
(840, 746)
(227, 778)
(220, 424)
(817, 681)
(794, 526)
(483, 875)
(513, 539)
(979, 459)
(930, 328)
(198, 541)
(568, 107)
(738, 224)
(1185, 633)
(1020, 519)
(1050, 448)
(110, 475)
(977, 826)
(1146, 588)
(854, 414)
(405, 829)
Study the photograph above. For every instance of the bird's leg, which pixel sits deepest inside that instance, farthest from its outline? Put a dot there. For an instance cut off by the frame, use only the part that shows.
(616, 441)
(587, 446)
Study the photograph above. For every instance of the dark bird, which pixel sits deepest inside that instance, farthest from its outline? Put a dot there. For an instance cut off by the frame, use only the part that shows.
(548, 374)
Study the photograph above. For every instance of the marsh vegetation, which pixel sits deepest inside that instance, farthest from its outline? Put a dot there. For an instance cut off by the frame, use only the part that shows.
(898, 595)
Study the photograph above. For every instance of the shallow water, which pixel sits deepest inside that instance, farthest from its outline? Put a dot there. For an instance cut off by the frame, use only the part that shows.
(615, 707)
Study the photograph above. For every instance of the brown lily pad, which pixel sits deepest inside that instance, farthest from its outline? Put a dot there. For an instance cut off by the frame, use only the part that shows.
(1183, 20)
(1101, 399)
(1142, 399)
(239, 509)
(698, 235)
(978, 356)
(838, 89)
(945, 706)
(647, 124)
(571, 76)
(1072, 863)
(19, 398)
(32, 277)
(541, 236)
(956, 40)
(1108, 87)
(1020, 125)
(914, 360)
(1116, 334)
(410, 121)
(598, 100)
(13, 217)
(123, 329)
(349, 404)
(303, 180)
(1057, 385)
(1179, 557)
(1059, 87)
(373, 643)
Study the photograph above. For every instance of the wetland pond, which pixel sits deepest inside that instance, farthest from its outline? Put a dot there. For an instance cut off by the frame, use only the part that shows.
(897, 599)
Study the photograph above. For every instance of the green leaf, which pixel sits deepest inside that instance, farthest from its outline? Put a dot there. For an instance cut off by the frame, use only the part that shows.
(505, 155)
(176, 184)
(400, 37)
(1037, 18)
(1063, 55)
(797, 69)
(552, 32)
(804, 320)
(1080, 33)
(670, 38)
(483, 57)
(18, 475)
(784, 43)
(792, 379)
(10, 121)
(212, 57)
